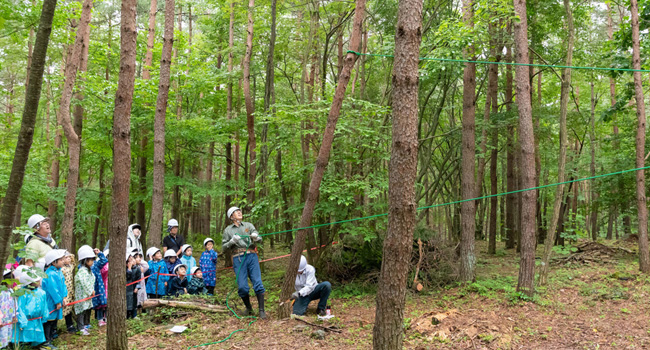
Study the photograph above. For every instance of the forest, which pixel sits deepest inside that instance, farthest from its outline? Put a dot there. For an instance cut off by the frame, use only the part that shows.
(465, 173)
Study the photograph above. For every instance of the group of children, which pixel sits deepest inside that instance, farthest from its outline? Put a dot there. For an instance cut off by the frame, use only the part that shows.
(30, 309)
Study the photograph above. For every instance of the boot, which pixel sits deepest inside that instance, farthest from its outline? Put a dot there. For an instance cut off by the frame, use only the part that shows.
(260, 302)
(249, 307)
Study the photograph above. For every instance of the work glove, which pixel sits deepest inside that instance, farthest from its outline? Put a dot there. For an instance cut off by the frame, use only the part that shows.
(235, 239)
(255, 236)
(295, 295)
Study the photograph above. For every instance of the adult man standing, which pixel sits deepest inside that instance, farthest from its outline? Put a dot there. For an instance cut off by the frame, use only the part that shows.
(308, 289)
(240, 238)
(40, 242)
(173, 240)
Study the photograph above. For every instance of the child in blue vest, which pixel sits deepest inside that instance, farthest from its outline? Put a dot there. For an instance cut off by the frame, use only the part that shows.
(157, 282)
(100, 301)
(55, 289)
(32, 311)
(188, 259)
(208, 263)
(171, 260)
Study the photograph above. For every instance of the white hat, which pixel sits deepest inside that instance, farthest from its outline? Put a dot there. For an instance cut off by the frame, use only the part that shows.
(26, 279)
(205, 241)
(86, 252)
(180, 265)
(35, 220)
(152, 251)
(6, 272)
(128, 255)
(19, 270)
(194, 269)
(170, 252)
(53, 255)
(185, 246)
(172, 223)
(303, 264)
(231, 211)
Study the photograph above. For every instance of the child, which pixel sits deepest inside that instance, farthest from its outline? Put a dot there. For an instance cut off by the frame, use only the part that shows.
(84, 282)
(157, 283)
(144, 272)
(196, 284)
(100, 300)
(32, 305)
(68, 273)
(209, 265)
(104, 273)
(132, 276)
(171, 260)
(188, 259)
(7, 309)
(54, 286)
(178, 283)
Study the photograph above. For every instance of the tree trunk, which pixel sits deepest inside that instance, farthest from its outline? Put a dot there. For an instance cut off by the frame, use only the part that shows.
(511, 226)
(151, 36)
(612, 101)
(229, 161)
(559, 190)
(54, 175)
(121, 179)
(527, 161)
(100, 204)
(468, 150)
(642, 209)
(26, 134)
(74, 140)
(157, 199)
(250, 106)
(388, 332)
(322, 160)
(493, 88)
(592, 148)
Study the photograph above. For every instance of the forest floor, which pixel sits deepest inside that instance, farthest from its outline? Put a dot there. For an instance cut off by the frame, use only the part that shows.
(592, 306)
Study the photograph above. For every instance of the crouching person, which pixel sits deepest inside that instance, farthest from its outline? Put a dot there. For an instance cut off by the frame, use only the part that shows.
(308, 289)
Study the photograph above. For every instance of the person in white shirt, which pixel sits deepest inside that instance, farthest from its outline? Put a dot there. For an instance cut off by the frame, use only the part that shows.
(308, 289)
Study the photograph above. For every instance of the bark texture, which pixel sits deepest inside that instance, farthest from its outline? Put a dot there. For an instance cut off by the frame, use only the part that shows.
(250, 104)
(388, 332)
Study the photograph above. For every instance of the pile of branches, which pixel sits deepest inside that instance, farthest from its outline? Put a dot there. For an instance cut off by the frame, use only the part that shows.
(591, 252)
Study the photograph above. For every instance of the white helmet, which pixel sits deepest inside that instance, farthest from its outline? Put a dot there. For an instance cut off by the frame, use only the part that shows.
(303, 264)
(180, 265)
(151, 251)
(172, 223)
(184, 247)
(86, 252)
(205, 241)
(19, 270)
(26, 279)
(128, 255)
(194, 269)
(54, 255)
(34, 220)
(231, 211)
(40, 264)
(170, 253)
(6, 272)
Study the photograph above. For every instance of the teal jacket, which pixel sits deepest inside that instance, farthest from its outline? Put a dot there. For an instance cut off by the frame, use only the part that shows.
(32, 304)
(55, 288)
(190, 262)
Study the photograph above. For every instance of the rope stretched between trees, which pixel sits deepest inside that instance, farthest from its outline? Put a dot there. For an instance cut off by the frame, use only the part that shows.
(507, 63)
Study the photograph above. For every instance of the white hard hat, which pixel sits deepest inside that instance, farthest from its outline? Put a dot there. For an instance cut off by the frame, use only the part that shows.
(185, 246)
(232, 210)
(26, 238)
(53, 255)
(40, 264)
(35, 220)
(151, 251)
(169, 253)
(128, 255)
(26, 279)
(205, 241)
(180, 265)
(303, 264)
(172, 223)
(194, 269)
(6, 272)
(19, 270)
(86, 252)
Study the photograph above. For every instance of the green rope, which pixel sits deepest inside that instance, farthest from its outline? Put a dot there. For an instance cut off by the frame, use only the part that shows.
(465, 200)
(507, 63)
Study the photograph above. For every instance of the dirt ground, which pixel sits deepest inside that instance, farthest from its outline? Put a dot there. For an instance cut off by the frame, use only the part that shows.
(593, 306)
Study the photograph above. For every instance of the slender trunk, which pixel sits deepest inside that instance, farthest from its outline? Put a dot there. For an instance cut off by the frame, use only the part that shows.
(157, 199)
(229, 161)
(388, 332)
(642, 209)
(527, 161)
(559, 190)
(468, 150)
(100, 204)
(592, 148)
(74, 140)
(250, 105)
(322, 160)
(493, 88)
(151, 35)
(26, 133)
(511, 226)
